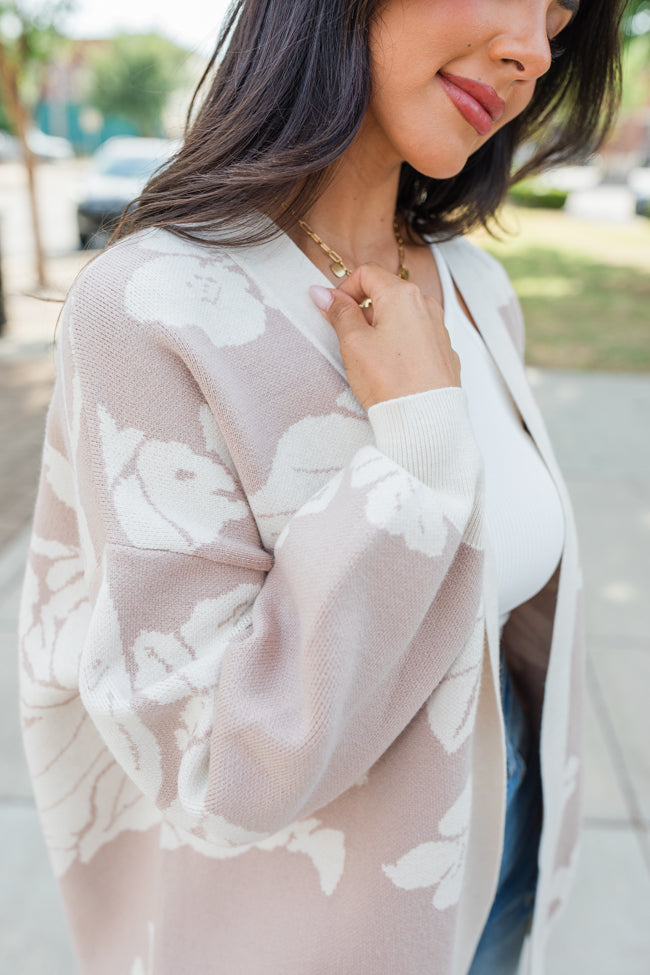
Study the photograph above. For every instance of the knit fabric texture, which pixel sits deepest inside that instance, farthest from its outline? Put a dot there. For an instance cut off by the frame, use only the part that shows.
(259, 641)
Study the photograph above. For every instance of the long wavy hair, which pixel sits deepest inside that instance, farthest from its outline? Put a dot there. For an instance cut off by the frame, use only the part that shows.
(285, 93)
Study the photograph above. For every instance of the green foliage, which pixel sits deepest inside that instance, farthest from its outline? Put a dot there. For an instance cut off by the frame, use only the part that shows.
(636, 73)
(637, 18)
(533, 193)
(31, 29)
(30, 34)
(133, 78)
(5, 122)
(38, 14)
(584, 288)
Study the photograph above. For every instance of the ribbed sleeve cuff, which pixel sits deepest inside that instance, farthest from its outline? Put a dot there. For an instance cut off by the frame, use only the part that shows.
(430, 435)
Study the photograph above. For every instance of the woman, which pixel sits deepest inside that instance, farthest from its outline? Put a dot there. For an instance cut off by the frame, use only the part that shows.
(301, 613)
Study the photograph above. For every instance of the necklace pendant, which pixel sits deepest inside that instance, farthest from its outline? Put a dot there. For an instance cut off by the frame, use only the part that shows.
(339, 269)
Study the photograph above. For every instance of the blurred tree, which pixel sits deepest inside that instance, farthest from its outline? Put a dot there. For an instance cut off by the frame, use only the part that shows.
(133, 78)
(636, 56)
(636, 25)
(29, 33)
(5, 121)
(636, 73)
(637, 18)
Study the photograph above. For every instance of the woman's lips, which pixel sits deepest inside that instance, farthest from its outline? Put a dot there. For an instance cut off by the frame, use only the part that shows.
(479, 104)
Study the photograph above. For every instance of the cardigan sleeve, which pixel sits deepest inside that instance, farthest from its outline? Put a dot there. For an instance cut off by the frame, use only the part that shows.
(242, 689)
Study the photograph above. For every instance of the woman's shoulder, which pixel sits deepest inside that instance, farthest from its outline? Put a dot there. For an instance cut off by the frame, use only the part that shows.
(153, 280)
(148, 256)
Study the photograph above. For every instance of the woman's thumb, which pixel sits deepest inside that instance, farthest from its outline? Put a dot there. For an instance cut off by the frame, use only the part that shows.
(322, 297)
(340, 309)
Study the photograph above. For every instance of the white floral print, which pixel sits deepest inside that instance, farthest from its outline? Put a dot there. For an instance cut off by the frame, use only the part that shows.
(174, 498)
(170, 667)
(324, 846)
(85, 798)
(192, 291)
(451, 710)
(118, 446)
(309, 455)
(399, 503)
(438, 863)
(62, 619)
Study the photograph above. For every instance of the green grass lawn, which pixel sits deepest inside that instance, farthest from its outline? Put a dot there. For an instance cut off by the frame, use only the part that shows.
(584, 288)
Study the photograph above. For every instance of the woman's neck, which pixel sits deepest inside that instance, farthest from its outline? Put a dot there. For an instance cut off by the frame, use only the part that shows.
(355, 216)
(355, 213)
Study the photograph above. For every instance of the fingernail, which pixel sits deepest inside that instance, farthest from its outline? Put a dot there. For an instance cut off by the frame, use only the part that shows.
(322, 297)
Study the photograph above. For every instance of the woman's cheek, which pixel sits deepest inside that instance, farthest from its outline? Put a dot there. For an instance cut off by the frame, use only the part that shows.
(520, 101)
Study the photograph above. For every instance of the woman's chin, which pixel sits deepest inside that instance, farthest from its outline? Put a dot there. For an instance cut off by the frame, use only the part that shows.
(448, 173)
(441, 165)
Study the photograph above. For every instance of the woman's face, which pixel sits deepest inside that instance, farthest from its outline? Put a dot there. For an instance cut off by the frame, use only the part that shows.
(447, 74)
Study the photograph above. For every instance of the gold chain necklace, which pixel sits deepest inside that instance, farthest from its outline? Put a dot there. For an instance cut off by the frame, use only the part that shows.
(338, 267)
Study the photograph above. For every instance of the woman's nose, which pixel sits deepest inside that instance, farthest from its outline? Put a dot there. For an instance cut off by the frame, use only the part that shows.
(525, 46)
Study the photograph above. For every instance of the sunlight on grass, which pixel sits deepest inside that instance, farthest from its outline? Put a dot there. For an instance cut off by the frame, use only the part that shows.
(546, 287)
(584, 288)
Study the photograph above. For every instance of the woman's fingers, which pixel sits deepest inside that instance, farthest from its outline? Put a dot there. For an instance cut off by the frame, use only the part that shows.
(371, 281)
(407, 350)
(340, 309)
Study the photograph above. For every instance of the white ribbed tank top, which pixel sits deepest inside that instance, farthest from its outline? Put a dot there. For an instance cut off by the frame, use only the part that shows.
(524, 515)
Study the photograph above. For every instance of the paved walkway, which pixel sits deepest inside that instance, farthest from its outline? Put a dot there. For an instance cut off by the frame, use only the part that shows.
(599, 424)
(25, 385)
(26, 375)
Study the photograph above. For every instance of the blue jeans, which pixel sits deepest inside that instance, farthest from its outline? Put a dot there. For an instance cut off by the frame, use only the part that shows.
(499, 949)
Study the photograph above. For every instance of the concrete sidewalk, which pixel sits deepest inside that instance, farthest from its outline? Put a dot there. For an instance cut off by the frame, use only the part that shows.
(599, 424)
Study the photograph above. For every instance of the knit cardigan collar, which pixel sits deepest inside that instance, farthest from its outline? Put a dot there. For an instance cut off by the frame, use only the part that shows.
(282, 269)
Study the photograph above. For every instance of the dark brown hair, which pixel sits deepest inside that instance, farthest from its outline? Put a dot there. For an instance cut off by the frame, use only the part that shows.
(287, 88)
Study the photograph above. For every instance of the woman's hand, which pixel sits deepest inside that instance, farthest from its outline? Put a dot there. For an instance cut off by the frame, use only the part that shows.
(405, 350)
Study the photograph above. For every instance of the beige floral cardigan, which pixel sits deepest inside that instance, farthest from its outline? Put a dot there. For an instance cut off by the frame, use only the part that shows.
(259, 638)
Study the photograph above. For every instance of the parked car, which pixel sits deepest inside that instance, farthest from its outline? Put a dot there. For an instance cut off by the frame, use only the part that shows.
(10, 150)
(121, 167)
(639, 182)
(47, 148)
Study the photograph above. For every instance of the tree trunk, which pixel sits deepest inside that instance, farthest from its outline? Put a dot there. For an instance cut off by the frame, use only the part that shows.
(20, 118)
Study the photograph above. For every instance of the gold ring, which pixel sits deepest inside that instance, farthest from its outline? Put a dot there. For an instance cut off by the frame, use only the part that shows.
(366, 303)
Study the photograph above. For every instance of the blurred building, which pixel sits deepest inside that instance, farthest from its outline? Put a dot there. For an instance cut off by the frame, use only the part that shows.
(629, 145)
(64, 109)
